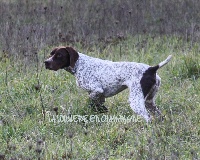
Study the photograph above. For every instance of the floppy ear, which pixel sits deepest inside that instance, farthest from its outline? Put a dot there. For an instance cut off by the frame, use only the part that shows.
(73, 56)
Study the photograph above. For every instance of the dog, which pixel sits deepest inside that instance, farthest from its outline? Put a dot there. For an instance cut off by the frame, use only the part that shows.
(103, 78)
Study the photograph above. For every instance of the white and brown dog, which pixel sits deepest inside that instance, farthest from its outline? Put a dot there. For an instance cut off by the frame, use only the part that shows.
(103, 78)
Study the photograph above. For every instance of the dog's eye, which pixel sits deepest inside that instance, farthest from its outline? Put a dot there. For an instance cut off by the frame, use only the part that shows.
(58, 55)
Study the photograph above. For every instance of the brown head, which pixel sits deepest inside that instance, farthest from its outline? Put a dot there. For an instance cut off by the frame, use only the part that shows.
(61, 57)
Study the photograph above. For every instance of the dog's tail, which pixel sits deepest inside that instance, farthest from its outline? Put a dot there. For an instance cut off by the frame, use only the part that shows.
(165, 61)
(148, 79)
(161, 64)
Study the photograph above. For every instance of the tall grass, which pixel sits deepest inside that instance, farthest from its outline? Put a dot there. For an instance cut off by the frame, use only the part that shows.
(142, 31)
(191, 66)
(29, 26)
(25, 134)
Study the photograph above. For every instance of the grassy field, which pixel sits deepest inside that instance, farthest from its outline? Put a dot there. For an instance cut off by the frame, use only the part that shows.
(32, 100)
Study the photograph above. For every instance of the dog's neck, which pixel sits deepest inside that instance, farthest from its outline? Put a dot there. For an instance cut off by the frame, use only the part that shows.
(73, 70)
(70, 70)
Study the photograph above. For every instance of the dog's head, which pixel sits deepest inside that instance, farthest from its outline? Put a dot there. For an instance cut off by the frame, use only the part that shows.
(61, 57)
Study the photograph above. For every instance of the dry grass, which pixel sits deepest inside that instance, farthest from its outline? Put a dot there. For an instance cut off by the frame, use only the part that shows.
(29, 26)
(26, 134)
(142, 31)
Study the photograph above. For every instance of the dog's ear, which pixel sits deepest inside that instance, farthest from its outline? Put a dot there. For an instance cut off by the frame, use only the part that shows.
(73, 56)
(53, 52)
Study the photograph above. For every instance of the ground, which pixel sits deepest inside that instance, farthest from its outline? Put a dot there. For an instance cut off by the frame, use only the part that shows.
(34, 102)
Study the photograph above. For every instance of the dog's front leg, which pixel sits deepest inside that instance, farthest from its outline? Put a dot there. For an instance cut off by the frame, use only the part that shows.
(97, 101)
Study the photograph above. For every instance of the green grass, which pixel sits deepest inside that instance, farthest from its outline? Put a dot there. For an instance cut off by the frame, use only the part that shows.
(25, 134)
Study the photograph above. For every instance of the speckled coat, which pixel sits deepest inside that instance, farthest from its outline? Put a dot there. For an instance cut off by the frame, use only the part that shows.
(103, 78)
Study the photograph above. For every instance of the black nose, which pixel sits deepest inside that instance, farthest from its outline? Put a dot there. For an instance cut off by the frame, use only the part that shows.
(46, 62)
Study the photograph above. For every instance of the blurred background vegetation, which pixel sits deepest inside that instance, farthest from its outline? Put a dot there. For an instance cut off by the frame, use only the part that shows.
(28, 26)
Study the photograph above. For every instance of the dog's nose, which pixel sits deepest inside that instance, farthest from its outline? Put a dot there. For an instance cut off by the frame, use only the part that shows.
(46, 62)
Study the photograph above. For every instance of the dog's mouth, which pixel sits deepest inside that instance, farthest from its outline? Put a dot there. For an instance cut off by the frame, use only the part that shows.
(48, 66)
(52, 66)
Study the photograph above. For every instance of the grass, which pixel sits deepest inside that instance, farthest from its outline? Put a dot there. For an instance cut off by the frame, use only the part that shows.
(24, 89)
